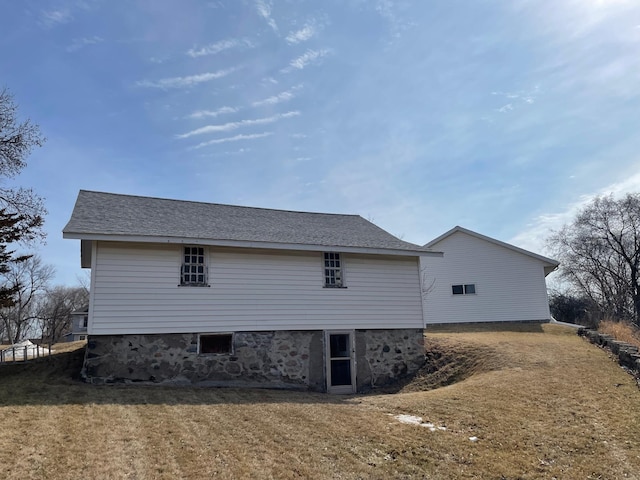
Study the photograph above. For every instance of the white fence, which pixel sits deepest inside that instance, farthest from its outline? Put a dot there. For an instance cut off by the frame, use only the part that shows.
(21, 352)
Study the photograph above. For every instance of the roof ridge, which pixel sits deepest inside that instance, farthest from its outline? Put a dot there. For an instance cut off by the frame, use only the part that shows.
(225, 204)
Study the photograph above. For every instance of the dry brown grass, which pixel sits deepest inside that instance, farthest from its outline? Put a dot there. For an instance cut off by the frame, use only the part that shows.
(625, 332)
(543, 403)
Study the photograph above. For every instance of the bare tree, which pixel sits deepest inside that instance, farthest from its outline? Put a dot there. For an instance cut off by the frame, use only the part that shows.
(21, 210)
(29, 279)
(600, 255)
(54, 310)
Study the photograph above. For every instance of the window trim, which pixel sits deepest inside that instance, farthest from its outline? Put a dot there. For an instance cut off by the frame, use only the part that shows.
(464, 288)
(205, 265)
(216, 334)
(326, 257)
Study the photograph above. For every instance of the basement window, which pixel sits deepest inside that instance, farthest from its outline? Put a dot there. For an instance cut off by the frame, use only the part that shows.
(466, 289)
(215, 344)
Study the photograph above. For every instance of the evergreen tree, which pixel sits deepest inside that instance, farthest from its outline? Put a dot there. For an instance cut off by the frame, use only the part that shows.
(21, 210)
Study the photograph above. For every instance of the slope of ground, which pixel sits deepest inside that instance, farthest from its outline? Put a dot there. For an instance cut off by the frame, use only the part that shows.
(536, 401)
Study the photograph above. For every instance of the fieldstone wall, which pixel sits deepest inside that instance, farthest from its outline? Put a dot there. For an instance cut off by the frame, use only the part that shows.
(627, 354)
(277, 359)
(274, 359)
(384, 356)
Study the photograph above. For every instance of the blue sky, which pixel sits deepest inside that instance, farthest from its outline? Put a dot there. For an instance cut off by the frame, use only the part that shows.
(500, 116)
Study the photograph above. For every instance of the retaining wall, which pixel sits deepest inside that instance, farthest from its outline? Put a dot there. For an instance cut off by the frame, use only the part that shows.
(628, 355)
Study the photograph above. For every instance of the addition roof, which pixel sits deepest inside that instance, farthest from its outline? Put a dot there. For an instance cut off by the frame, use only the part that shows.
(549, 263)
(109, 216)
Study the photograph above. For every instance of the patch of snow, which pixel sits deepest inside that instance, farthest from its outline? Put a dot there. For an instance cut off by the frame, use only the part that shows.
(412, 419)
(473, 439)
(415, 420)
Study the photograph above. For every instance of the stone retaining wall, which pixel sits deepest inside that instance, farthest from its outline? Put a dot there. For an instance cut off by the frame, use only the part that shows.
(274, 359)
(627, 354)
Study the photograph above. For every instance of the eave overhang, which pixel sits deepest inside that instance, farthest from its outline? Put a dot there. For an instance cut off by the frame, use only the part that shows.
(87, 238)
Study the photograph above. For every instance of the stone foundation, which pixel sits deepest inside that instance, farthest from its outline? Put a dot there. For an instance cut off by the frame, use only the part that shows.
(383, 356)
(273, 359)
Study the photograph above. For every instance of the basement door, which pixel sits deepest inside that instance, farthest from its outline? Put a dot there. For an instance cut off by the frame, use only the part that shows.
(341, 365)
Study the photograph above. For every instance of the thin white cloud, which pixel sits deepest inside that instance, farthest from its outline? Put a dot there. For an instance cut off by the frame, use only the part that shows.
(220, 46)
(226, 127)
(51, 18)
(279, 98)
(506, 108)
(264, 10)
(185, 82)
(302, 35)
(310, 56)
(236, 138)
(80, 43)
(536, 233)
(213, 113)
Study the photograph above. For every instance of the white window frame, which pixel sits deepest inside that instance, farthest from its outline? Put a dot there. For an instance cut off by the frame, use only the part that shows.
(204, 265)
(329, 260)
(464, 289)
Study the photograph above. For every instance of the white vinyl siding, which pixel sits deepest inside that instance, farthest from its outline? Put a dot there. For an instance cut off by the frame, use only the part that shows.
(509, 286)
(135, 290)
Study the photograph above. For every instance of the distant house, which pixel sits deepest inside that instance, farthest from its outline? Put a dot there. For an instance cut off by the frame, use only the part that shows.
(216, 294)
(79, 323)
(481, 279)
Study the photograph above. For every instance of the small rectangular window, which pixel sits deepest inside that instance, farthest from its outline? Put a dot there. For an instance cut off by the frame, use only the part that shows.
(85, 321)
(333, 270)
(466, 289)
(194, 268)
(83, 337)
(216, 344)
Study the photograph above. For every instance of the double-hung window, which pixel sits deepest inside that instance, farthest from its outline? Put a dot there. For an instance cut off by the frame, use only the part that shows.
(194, 267)
(333, 273)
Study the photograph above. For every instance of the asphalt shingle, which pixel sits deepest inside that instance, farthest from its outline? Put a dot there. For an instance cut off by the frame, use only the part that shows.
(97, 213)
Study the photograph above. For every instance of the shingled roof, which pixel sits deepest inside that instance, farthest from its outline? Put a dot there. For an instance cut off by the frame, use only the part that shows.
(98, 215)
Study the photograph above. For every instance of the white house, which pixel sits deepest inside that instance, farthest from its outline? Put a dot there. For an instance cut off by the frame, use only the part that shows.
(223, 295)
(481, 279)
(79, 322)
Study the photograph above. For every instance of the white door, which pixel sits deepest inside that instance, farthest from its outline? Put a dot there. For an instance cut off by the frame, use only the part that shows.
(341, 365)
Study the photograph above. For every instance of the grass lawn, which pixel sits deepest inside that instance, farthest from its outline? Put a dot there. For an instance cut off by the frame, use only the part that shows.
(541, 401)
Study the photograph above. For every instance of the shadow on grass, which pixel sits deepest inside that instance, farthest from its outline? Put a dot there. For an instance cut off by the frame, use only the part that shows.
(489, 327)
(55, 380)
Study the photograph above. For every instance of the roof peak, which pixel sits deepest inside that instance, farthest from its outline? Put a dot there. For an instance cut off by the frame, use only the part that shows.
(459, 229)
